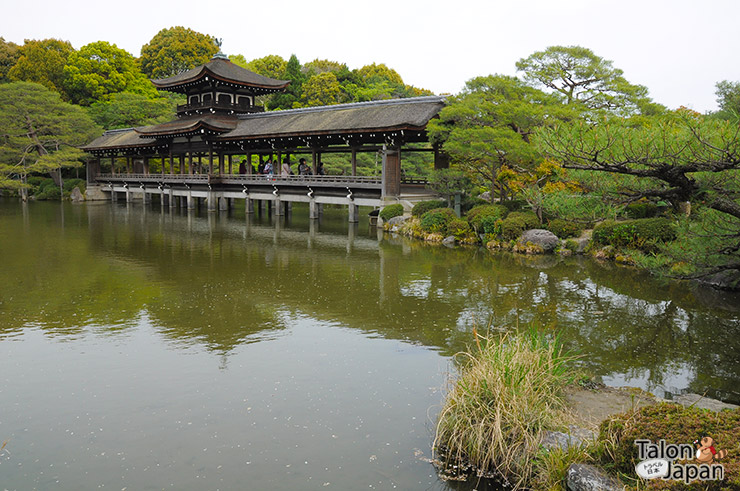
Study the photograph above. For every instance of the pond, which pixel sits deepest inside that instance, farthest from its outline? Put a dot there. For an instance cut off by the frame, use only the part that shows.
(148, 348)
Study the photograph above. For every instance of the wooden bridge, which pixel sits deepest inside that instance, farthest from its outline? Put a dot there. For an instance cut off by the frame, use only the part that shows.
(276, 192)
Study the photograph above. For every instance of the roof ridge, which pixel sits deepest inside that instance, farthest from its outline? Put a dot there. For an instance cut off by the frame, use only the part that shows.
(406, 100)
(117, 130)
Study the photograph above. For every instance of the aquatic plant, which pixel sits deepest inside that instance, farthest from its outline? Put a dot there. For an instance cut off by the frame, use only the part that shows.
(508, 391)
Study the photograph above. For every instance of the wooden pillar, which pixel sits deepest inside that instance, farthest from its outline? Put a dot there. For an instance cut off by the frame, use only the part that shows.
(128, 165)
(441, 159)
(190, 162)
(210, 160)
(314, 159)
(220, 164)
(391, 178)
(230, 164)
(113, 165)
(354, 161)
(249, 163)
(313, 210)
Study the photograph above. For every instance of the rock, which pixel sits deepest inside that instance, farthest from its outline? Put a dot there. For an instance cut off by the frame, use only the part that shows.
(575, 438)
(76, 195)
(449, 241)
(545, 239)
(485, 196)
(584, 477)
(95, 193)
(724, 280)
(397, 220)
(701, 402)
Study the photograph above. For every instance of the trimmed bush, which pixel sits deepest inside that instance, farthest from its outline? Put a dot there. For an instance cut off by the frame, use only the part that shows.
(391, 211)
(641, 209)
(470, 202)
(643, 234)
(528, 217)
(476, 216)
(564, 228)
(512, 227)
(514, 204)
(424, 206)
(435, 221)
(459, 228)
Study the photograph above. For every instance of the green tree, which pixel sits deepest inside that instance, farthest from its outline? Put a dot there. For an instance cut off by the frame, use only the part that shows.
(126, 109)
(682, 158)
(728, 100)
(100, 69)
(581, 77)
(490, 124)
(375, 73)
(42, 62)
(321, 90)
(39, 133)
(272, 66)
(9, 54)
(291, 97)
(174, 50)
(238, 60)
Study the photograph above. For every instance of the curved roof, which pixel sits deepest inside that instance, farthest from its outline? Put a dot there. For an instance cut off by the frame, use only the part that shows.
(217, 124)
(393, 114)
(125, 138)
(223, 70)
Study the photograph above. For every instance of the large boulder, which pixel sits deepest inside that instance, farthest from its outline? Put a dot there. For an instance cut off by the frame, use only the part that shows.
(539, 237)
(584, 477)
(76, 195)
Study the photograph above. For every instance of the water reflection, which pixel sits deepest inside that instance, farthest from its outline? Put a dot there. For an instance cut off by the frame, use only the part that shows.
(225, 280)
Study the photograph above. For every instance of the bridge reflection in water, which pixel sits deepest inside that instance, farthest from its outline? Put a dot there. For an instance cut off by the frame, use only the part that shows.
(275, 192)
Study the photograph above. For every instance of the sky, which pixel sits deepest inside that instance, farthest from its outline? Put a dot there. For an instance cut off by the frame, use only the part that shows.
(678, 49)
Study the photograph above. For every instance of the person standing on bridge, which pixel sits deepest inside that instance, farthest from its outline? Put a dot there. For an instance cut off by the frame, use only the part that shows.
(268, 168)
(303, 168)
(285, 169)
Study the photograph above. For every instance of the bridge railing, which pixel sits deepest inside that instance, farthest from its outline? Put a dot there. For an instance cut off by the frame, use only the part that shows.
(254, 178)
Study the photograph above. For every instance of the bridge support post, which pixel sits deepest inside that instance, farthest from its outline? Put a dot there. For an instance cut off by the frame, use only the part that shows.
(129, 196)
(223, 204)
(191, 201)
(279, 211)
(171, 197)
(354, 213)
(212, 201)
(248, 206)
(147, 197)
(313, 210)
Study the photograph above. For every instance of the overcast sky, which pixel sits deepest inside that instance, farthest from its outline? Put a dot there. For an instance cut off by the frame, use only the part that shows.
(678, 49)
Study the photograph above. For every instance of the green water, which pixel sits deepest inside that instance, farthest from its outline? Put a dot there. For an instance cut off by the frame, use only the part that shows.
(150, 349)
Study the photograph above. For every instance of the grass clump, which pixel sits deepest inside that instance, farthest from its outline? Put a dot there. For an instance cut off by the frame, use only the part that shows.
(643, 234)
(508, 391)
(391, 211)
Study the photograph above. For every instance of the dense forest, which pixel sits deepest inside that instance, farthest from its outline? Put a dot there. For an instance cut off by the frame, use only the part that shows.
(570, 138)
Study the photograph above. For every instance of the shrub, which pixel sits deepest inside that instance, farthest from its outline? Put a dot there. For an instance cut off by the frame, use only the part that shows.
(490, 225)
(528, 217)
(459, 228)
(424, 206)
(391, 211)
(512, 227)
(514, 204)
(436, 220)
(641, 209)
(476, 215)
(642, 234)
(470, 202)
(564, 228)
(507, 393)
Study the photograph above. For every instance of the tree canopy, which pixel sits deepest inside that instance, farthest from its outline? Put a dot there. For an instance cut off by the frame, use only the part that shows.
(728, 100)
(9, 54)
(174, 50)
(127, 109)
(100, 69)
(489, 126)
(581, 77)
(39, 132)
(42, 62)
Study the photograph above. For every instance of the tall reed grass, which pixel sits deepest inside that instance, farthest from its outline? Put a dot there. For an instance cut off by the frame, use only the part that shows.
(508, 391)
